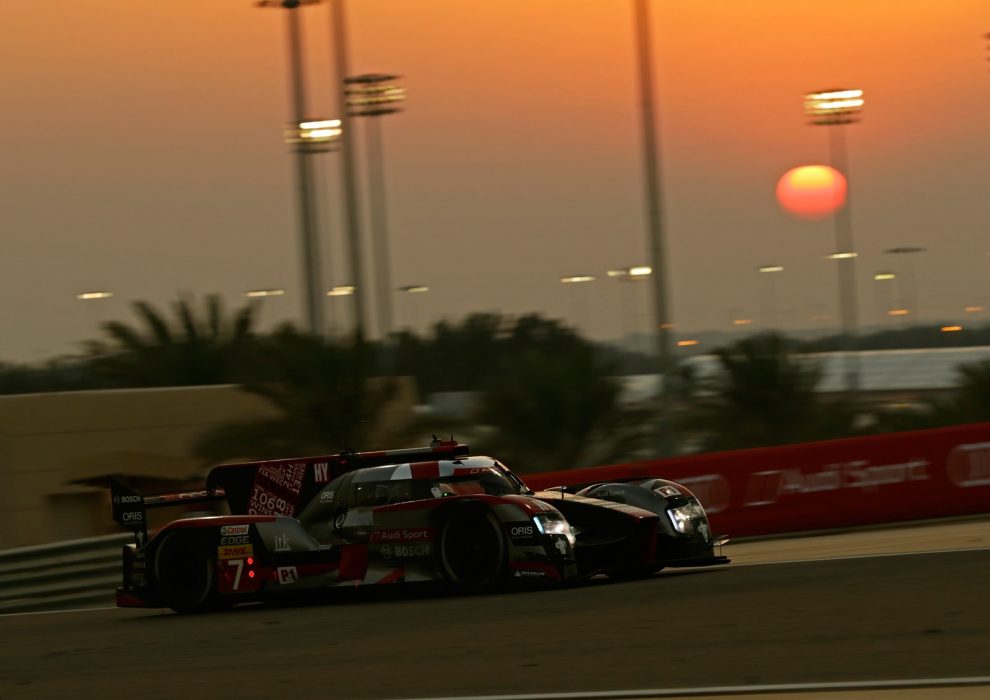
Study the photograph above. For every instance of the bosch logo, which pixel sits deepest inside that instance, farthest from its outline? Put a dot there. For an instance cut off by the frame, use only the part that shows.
(127, 499)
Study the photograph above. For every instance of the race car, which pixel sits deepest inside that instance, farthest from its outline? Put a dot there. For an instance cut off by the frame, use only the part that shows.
(423, 514)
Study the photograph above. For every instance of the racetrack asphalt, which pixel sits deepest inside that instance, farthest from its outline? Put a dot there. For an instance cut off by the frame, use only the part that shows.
(924, 615)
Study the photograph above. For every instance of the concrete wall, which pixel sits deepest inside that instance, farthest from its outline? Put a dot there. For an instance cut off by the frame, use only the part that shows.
(49, 441)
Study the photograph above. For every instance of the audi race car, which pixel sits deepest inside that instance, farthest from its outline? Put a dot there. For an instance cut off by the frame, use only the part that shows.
(425, 514)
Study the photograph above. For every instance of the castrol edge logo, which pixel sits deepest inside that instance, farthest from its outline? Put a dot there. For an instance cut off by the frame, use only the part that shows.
(969, 465)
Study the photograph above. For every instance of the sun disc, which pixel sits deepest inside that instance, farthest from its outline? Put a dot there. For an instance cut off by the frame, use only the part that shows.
(812, 192)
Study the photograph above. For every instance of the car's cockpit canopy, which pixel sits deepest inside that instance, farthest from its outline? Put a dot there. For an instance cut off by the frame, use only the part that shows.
(400, 483)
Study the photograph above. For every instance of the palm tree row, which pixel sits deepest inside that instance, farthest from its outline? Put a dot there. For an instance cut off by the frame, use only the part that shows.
(546, 398)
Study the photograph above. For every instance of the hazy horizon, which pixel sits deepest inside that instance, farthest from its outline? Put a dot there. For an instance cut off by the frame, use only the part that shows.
(144, 156)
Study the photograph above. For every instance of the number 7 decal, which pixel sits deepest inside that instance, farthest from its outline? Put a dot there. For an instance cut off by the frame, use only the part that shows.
(239, 563)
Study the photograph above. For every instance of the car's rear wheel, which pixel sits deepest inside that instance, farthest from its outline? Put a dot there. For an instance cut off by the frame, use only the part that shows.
(186, 574)
(472, 549)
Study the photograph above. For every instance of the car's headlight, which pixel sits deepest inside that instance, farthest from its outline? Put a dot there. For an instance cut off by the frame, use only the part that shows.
(683, 517)
(551, 523)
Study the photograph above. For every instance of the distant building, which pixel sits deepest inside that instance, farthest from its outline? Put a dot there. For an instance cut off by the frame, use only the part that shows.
(58, 451)
(885, 375)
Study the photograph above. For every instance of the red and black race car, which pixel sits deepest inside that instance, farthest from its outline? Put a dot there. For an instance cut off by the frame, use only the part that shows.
(430, 514)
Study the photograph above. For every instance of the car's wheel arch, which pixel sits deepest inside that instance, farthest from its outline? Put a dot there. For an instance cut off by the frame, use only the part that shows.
(472, 512)
(194, 587)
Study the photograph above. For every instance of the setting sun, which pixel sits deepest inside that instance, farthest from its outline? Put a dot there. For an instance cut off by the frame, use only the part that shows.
(811, 191)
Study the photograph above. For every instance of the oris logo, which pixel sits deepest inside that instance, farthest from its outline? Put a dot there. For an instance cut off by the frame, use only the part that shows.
(132, 517)
(522, 531)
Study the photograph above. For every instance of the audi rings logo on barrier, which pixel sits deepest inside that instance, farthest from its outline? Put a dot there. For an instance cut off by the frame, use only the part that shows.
(969, 465)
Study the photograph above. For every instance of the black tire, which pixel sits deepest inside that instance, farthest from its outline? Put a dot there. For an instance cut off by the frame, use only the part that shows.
(186, 573)
(473, 550)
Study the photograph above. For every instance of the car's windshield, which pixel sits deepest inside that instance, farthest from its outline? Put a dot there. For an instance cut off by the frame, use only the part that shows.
(483, 481)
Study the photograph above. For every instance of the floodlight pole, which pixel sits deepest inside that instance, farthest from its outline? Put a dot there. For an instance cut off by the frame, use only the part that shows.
(910, 295)
(658, 253)
(311, 261)
(374, 95)
(834, 109)
(349, 179)
(847, 266)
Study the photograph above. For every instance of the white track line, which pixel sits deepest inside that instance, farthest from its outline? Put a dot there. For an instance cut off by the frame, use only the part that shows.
(738, 690)
(54, 612)
(881, 555)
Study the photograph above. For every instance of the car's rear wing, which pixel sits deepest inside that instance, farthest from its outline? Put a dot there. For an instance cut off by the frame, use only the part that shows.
(129, 507)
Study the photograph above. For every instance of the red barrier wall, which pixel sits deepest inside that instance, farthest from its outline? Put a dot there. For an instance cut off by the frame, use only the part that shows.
(822, 485)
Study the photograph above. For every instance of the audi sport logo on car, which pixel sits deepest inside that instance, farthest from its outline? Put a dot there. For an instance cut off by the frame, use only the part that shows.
(403, 535)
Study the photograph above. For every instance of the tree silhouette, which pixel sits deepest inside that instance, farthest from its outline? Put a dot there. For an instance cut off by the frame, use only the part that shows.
(324, 398)
(968, 402)
(456, 356)
(550, 402)
(193, 347)
(764, 395)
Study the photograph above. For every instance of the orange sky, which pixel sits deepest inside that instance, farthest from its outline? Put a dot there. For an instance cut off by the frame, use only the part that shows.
(137, 132)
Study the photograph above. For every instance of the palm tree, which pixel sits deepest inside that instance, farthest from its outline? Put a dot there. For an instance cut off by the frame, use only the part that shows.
(456, 357)
(972, 395)
(969, 402)
(324, 396)
(764, 395)
(550, 402)
(191, 348)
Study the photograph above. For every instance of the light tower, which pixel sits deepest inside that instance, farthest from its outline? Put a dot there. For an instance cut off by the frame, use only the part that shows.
(837, 108)
(308, 226)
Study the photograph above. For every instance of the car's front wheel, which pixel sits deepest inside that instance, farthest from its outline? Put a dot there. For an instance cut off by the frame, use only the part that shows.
(472, 549)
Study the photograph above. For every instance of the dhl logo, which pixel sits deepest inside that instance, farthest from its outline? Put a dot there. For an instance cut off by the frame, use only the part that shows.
(240, 551)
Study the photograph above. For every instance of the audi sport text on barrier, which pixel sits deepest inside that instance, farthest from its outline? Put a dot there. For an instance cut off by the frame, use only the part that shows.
(424, 514)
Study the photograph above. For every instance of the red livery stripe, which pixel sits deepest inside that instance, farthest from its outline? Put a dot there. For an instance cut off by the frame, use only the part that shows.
(353, 562)
(425, 470)
(216, 521)
(393, 576)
